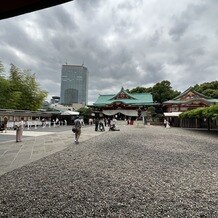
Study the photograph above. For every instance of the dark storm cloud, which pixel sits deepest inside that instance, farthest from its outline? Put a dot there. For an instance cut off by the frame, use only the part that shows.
(123, 43)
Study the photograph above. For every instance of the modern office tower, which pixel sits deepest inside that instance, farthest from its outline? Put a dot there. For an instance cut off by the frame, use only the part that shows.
(74, 84)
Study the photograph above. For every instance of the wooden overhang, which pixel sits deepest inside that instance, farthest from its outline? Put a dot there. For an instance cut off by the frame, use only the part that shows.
(11, 8)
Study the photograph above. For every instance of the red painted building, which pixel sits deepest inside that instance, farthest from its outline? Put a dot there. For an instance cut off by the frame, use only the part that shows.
(188, 100)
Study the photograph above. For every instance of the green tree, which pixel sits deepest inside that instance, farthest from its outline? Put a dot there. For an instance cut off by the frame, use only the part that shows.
(15, 88)
(4, 92)
(2, 69)
(163, 91)
(86, 112)
(20, 91)
(150, 113)
(209, 89)
(4, 88)
(140, 90)
(33, 96)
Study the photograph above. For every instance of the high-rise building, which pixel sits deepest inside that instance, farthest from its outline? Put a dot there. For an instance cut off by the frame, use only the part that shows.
(74, 84)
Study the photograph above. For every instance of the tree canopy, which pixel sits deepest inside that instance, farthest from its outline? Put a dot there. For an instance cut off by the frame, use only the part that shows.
(209, 89)
(86, 112)
(1, 68)
(161, 91)
(140, 90)
(20, 90)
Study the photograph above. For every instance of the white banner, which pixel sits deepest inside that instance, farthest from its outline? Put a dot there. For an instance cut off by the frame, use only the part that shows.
(130, 113)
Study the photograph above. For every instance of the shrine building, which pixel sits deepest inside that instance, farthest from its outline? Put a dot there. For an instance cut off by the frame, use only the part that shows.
(124, 104)
(188, 100)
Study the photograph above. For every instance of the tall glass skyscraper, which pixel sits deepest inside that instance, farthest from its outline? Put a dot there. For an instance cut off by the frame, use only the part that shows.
(74, 84)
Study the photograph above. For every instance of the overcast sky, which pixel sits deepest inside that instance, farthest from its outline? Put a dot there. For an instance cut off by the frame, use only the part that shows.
(122, 43)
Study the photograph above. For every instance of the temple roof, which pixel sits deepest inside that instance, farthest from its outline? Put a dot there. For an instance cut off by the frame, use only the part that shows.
(189, 96)
(135, 99)
(188, 91)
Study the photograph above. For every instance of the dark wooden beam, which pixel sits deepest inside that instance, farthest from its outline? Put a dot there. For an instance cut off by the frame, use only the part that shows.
(11, 8)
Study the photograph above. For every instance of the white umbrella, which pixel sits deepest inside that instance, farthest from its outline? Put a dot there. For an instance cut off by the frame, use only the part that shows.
(70, 113)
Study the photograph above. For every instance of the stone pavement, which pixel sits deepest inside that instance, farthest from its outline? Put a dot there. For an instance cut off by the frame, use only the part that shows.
(37, 144)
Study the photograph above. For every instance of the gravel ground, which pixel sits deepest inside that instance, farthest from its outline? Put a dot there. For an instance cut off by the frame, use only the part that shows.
(137, 172)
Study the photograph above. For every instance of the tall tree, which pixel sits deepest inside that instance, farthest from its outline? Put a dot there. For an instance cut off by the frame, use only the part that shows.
(33, 96)
(163, 91)
(16, 84)
(4, 92)
(1, 68)
(20, 91)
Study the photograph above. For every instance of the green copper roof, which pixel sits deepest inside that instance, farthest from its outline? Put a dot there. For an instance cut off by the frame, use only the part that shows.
(125, 98)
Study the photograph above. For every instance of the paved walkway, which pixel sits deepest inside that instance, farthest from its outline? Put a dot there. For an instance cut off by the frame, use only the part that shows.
(37, 143)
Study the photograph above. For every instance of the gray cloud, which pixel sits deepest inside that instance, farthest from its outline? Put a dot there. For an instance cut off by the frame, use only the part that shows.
(185, 20)
(134, 43)
(178, 30)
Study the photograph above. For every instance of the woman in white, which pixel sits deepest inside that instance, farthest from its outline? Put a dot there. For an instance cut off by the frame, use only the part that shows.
(19, 130)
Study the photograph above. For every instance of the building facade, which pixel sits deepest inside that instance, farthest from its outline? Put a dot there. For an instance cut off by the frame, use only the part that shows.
(55, 99)
(188, 100)
(74, 84)
(123, 103)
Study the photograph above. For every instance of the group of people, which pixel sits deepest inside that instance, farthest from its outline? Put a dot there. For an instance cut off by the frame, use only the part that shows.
(100, 124)
(18, 126)
(78, 123)
(56, 122)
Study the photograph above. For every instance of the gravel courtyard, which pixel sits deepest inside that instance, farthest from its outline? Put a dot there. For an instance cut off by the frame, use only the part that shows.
(137, 172)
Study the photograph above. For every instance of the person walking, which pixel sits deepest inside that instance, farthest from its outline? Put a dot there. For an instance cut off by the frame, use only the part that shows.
(90, 121)
(96, 124)
(105, 121)
(101, 125)
(5, 123)
(168, 125)
(78, 126)
(109, 122)
(165, 123)
(19, 130)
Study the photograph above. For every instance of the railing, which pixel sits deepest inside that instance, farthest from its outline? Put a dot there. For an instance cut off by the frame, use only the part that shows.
(35, 124)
